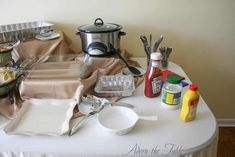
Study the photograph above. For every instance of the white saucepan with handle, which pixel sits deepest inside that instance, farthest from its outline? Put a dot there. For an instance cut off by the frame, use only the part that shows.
(120, 120)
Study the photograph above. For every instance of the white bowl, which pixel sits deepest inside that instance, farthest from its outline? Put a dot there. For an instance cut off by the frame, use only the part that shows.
(119, 120)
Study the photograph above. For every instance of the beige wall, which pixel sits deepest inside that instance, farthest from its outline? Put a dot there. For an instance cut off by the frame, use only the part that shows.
(202, 33)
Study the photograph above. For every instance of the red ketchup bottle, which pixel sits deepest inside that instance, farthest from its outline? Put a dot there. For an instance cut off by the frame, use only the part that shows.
(153, 77)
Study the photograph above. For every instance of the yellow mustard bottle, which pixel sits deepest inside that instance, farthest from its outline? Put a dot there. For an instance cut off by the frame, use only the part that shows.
(189, 104)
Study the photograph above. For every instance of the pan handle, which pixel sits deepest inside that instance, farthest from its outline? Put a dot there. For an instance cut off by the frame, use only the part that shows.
(151, 118)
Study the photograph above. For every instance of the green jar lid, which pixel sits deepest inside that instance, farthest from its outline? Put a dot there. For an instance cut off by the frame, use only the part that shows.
(173, 79)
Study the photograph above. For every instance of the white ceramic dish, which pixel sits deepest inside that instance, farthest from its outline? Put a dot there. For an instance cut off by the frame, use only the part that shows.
(126, 71)
(42, 116)
(120, 120)
(50, 37)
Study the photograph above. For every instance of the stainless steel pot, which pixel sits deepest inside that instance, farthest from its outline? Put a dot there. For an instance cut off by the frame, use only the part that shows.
(97, 37)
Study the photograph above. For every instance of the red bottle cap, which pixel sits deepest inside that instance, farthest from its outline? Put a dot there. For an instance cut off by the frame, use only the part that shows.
(193, 87)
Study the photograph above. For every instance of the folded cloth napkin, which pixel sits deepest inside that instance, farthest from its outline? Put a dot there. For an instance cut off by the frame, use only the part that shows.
(67, 88)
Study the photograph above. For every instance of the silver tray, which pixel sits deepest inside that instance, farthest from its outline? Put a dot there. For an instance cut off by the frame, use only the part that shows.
(22, 31)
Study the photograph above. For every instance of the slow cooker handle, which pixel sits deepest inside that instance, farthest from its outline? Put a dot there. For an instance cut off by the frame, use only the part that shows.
(78, 33)
(121, 33)
(100, 23)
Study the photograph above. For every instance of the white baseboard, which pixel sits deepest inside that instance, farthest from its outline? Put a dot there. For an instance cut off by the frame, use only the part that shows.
(226, 122)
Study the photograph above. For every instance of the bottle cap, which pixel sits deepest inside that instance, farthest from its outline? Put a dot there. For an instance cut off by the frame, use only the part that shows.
(156, 56)
(193, 87)
(173, 79)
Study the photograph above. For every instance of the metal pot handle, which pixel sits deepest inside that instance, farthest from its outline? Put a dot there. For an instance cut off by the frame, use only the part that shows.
(121, 33)
(100, 23)
(78, 33)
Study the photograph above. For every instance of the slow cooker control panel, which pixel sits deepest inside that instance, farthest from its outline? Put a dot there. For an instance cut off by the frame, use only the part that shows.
(97, 48)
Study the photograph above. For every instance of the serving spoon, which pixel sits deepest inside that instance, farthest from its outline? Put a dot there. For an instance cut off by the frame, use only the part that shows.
(131, 68)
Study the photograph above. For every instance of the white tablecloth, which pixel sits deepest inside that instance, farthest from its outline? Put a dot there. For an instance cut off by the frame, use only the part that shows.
(166, 137)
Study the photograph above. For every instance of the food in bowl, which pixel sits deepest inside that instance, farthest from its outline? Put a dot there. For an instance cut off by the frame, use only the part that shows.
(7, 75)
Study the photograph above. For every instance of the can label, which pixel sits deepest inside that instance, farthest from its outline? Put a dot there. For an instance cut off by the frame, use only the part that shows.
(156, 85)
(171, 98)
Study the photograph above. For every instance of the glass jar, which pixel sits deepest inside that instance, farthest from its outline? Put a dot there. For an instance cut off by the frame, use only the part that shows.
(171, 92)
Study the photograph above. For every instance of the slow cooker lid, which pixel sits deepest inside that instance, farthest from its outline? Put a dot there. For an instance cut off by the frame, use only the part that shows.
(100, 27)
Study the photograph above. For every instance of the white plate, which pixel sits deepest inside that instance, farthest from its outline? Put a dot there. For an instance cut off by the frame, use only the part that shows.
(52, 36)
(126, 71)
(42, 116)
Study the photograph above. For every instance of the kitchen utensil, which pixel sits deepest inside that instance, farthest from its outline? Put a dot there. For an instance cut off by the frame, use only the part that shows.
(97, 101)
(134, 70)
(91, 103)
(120, 120)
(165, 52)
(75, 128)
(150, 41)
(96, 37)
(86, 108)
(147, 48)
(42, 116)
(126, 71)
(115, 85)
(157, 43)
